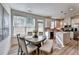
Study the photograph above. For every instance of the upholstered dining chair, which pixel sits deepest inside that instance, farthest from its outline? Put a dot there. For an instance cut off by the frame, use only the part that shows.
(47, 47)
(26, 48)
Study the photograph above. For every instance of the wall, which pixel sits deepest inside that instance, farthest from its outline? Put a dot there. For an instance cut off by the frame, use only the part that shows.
(5, 44)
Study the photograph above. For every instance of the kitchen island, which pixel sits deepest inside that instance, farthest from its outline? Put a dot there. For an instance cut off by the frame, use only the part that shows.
(62, 38)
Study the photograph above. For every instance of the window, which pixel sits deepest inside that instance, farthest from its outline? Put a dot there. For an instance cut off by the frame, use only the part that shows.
(40, 27)
(30, 22)
(23, 25)
(4, 23)
(1, 22)
(19, 25)
(19, 21)
(30, 25)
(27, 24)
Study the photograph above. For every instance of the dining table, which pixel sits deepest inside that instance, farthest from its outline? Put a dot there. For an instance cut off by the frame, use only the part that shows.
(35, 41)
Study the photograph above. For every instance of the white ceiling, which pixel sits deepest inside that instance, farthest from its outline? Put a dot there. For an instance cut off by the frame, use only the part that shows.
(55, 10)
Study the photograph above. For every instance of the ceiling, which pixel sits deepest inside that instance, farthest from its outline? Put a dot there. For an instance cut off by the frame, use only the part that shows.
(54, 10)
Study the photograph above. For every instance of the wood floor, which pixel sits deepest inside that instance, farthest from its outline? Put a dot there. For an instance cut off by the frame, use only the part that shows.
(71, 48)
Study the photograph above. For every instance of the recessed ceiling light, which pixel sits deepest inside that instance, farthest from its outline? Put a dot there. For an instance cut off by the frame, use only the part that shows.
(29, 10)
(70, 9)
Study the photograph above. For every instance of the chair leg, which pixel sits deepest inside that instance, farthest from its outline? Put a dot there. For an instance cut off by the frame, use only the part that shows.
(52, 50)
(21, 52)
(44, 53)
(18, 50)
(40, 52)
(36, 52)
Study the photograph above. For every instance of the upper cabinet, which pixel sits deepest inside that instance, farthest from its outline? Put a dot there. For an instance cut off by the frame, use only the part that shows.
(47, 22)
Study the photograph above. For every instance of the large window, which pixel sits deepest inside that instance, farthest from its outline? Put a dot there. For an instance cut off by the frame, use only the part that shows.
(23, 25)
(30, 25)
(19, 25)
(19, 21)
(26, 25)
(1, 22)
(4, 23)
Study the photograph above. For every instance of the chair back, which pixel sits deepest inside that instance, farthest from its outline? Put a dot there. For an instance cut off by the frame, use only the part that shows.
(18, 37)
(23, 45)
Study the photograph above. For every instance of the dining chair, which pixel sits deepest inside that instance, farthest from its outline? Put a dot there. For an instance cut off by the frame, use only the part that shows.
(19, 48)
(26, 48)
(47, 47)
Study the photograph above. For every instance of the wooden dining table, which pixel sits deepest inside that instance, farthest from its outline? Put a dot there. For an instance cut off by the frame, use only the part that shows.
(35, 41)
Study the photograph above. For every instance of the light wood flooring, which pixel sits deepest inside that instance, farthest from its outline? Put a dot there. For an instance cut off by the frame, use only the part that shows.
(71, 48)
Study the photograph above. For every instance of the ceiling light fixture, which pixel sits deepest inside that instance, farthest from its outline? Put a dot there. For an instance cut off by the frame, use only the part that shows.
(29, 10)
(70, 9)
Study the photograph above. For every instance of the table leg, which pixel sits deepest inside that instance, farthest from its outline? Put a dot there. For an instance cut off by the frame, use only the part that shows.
(38, 50)
(38, 46)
